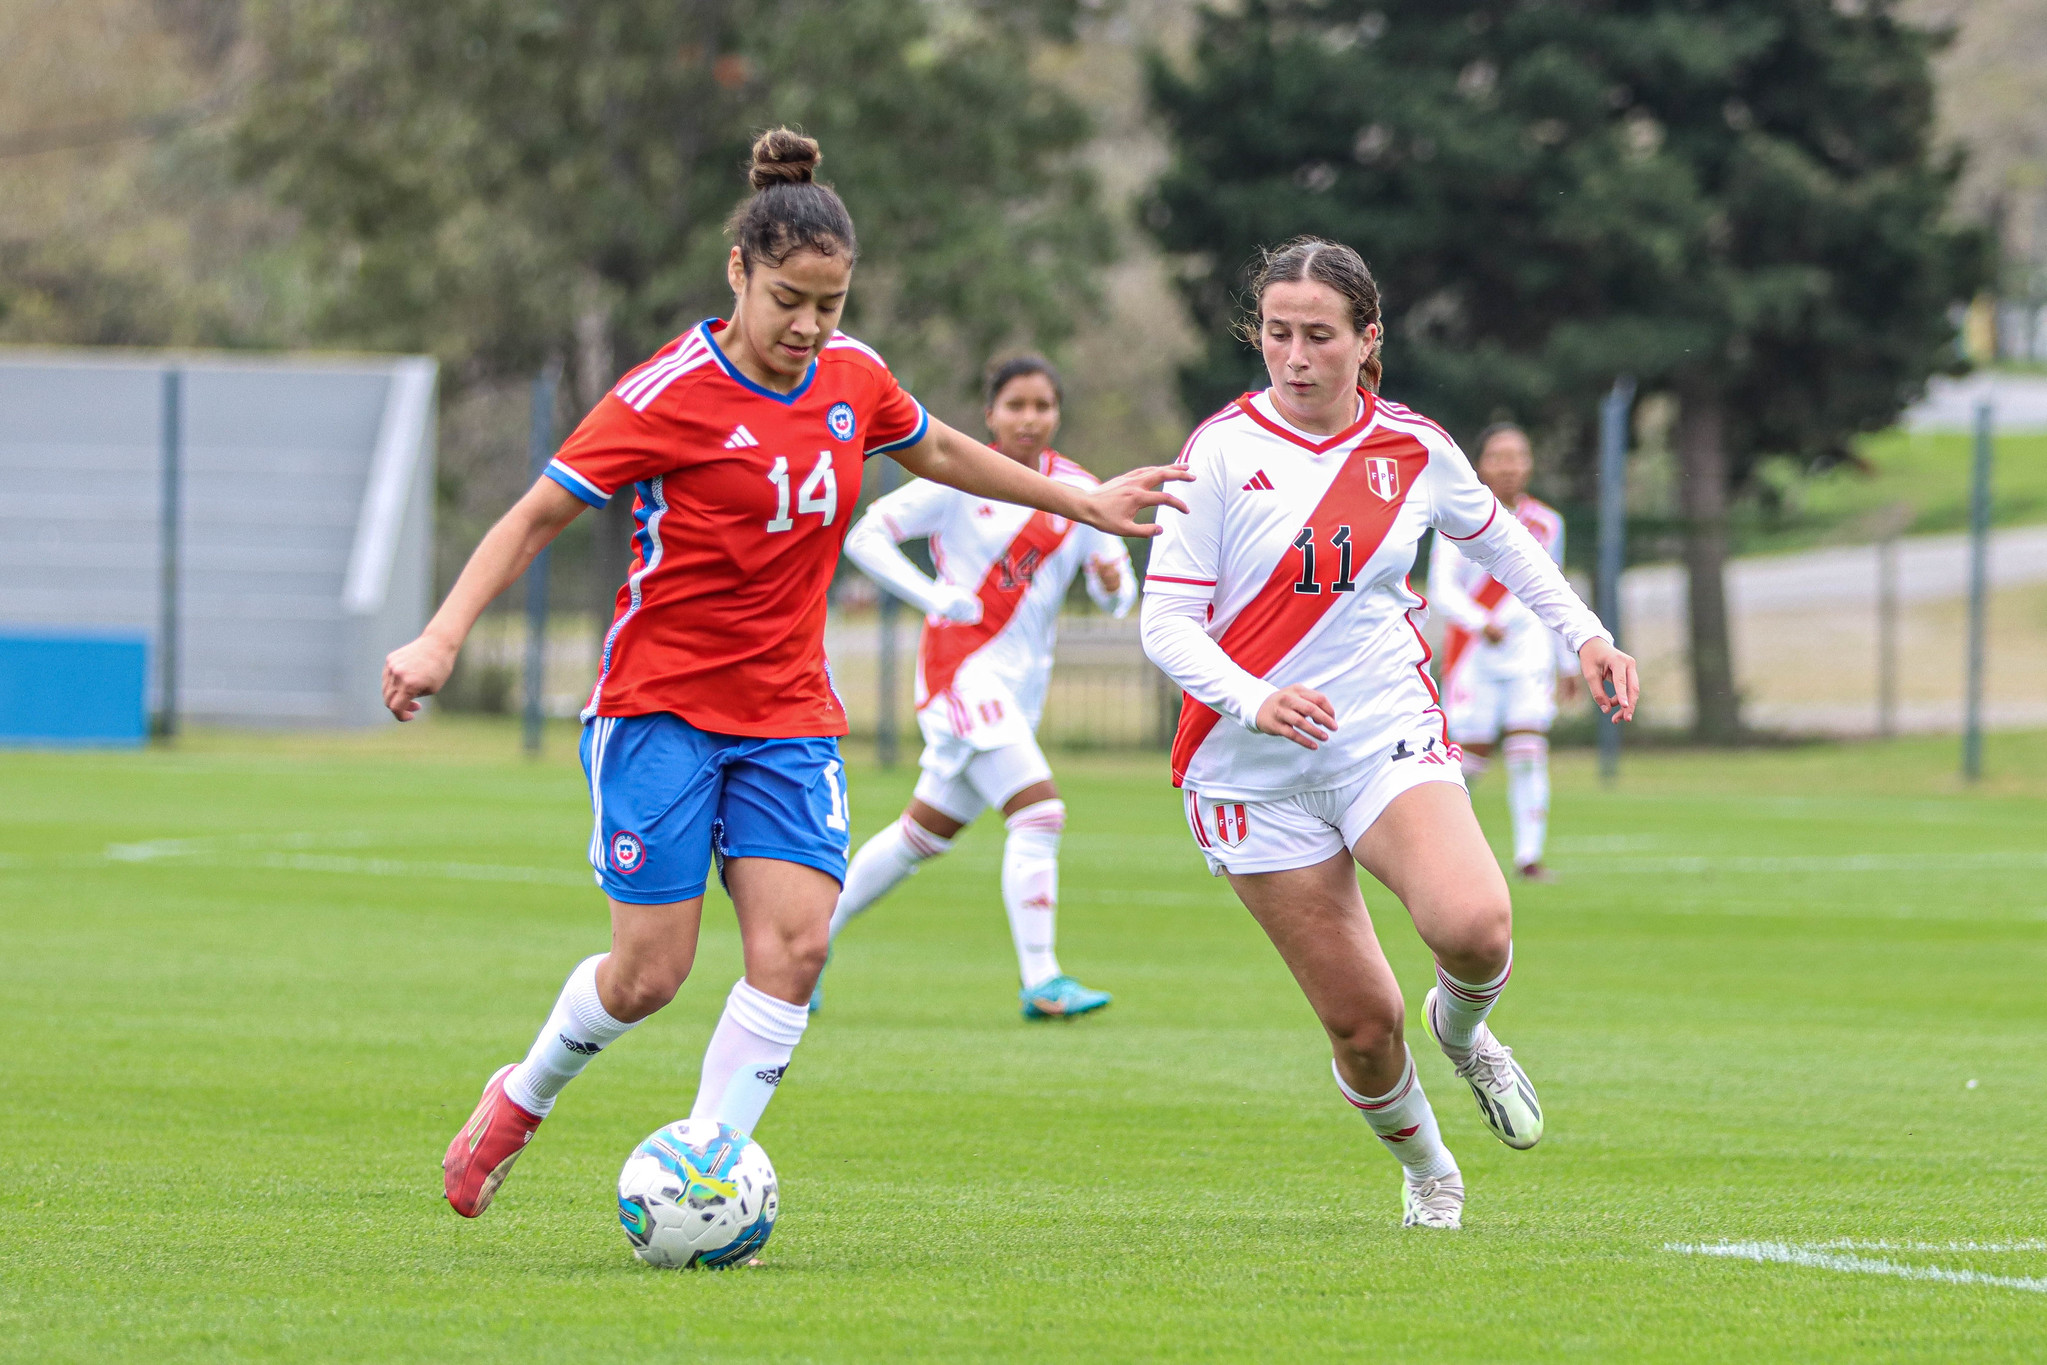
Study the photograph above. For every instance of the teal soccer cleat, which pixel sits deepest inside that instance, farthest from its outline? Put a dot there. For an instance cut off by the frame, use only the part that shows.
(1062, 998)
(817, 991)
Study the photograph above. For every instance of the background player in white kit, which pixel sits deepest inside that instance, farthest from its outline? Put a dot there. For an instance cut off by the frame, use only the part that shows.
(1502, 669)
(1311, 735)
(991, 620)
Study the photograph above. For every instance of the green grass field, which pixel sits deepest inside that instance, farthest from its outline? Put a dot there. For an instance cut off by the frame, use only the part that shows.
(252, 986)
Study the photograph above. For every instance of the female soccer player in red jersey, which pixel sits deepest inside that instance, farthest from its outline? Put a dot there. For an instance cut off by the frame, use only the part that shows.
(712, 730)
(1311, 740)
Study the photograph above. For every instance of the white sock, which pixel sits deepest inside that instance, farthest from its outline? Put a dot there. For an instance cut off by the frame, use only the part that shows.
(1527, 759)
(1030, 888)
(1475, 765)
(749, 1051)
(1405, 1123)
(577, 1030)
(881, 864)
(1461, 1007)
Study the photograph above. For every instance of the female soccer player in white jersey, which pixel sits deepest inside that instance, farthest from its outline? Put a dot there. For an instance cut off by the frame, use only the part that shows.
(1501, 668)
(991, 619)
(1311, 735)
(713, 725)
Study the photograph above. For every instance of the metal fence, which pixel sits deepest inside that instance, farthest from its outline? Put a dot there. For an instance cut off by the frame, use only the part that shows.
(1810, 630)
(1104, 693)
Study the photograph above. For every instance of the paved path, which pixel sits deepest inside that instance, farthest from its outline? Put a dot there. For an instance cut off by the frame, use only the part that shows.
(1930, 569)
(2018, 403)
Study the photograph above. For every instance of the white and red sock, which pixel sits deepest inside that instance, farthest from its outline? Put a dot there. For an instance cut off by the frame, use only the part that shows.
(1474, 765)
(749, 1051)
(1404, 1122)
(1527, 759)
(1462, 1006)
(1030, 888)
(578, 1029)
(881, 864)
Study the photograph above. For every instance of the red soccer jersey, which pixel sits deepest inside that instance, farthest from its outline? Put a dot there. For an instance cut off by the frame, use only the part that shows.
(744, 496)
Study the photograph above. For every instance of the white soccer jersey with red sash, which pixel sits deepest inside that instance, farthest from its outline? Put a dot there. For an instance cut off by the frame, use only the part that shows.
(1299, 546)
(986, 682)
(1472, 598)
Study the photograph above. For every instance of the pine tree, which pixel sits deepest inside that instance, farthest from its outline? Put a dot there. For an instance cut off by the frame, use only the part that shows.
(1738, 201)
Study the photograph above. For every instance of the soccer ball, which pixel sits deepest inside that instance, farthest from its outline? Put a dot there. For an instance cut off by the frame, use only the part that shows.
(697, 1193)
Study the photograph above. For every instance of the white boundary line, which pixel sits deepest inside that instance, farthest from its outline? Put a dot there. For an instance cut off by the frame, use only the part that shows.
(1858, 1244)
(1814, 1256)
(218, 845)
(1850, 862)
(270, 853)
(396, 867)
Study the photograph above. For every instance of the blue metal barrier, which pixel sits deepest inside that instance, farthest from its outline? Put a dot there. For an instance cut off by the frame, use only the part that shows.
(73, 690)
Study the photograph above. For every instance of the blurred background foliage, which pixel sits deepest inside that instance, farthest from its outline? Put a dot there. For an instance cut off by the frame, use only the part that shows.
(1754, 205)
(1740, 203)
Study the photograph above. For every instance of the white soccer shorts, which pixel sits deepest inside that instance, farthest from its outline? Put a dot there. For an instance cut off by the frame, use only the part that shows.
(1312, 827)
(961, 781)
(1481, 707)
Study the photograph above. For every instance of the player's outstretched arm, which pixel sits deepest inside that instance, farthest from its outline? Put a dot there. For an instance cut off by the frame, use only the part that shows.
(1602, 663)
(421, 668)
(870, 546)
(945, 456)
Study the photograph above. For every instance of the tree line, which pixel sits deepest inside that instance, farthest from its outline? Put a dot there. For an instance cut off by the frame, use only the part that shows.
(1738, 202)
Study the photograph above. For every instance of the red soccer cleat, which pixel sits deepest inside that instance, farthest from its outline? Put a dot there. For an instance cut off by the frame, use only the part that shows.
(482, 1154)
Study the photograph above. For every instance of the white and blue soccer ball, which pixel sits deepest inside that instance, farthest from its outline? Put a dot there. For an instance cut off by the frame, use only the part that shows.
(697, 1193)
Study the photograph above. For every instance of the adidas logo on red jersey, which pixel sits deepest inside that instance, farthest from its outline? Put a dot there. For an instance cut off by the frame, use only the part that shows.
(740, 439)
(1259, 483)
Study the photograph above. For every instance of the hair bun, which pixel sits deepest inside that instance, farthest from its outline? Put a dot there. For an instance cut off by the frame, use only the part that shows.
(783, 156)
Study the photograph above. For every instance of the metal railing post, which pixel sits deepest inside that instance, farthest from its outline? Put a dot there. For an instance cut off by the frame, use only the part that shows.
(885, 609)
(171, 534)
(1613, 539)
(539, 450)
(1979, 590)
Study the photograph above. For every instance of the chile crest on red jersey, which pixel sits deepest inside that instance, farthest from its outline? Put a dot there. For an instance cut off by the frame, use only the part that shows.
(742, 498)
(840, 421)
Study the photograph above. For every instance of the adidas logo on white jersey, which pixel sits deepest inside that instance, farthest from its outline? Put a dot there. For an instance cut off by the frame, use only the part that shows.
(741, 439)
(1259, 483)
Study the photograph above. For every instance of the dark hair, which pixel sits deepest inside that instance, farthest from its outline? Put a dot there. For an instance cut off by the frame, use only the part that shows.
(789, 211)
(1325, 262)
(1496, 429)
(999, 377)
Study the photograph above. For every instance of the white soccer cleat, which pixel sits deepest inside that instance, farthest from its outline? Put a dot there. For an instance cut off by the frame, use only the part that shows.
(1505, 1095)
(1437, 1202)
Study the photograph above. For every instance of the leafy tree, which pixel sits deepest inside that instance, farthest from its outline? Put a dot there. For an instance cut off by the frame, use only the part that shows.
(1738, 201)
(503, 181)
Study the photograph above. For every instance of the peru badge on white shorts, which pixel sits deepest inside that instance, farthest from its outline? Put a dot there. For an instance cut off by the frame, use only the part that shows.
(1218, 824)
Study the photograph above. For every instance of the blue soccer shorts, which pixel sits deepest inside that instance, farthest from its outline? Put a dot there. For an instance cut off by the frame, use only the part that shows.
(666, 796)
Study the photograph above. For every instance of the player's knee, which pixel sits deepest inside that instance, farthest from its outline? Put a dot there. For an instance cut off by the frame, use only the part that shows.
(1045, 818)
(1480, 932)
(1372, 1035)
(803, 950)
(644, 987)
